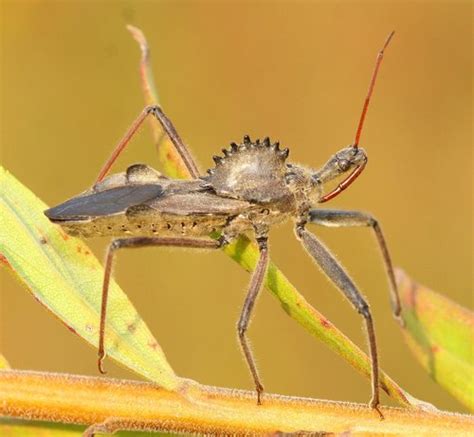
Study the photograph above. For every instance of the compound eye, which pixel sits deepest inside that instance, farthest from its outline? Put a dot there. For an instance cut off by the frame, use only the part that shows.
(343, 164)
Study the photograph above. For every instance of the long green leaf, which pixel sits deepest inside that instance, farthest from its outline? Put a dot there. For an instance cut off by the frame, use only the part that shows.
(19, 428)
(440, 333)
(4, 364)
(64, 276)
(245, 253)
(22, 428)
(168, 157)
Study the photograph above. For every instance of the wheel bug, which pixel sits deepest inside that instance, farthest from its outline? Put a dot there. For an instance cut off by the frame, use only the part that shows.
(251, 188)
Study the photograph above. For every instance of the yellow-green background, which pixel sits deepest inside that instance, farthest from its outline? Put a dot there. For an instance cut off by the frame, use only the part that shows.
(297, 71)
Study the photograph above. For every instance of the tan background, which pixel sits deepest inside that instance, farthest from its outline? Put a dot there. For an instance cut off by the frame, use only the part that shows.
(297, 71)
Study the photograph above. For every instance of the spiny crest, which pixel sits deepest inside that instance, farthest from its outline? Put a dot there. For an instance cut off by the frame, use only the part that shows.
(249, 170)
(247, 147)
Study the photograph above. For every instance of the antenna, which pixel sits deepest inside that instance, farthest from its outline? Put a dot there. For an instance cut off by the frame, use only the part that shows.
(371, 89)
(355, 146)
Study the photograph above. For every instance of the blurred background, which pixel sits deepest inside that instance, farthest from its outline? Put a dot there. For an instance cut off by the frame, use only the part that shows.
(298, 72)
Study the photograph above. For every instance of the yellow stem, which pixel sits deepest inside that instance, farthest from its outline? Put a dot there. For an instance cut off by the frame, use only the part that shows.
(111, 404)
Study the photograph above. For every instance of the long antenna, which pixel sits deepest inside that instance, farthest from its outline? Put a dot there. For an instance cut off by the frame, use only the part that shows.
(371, 89)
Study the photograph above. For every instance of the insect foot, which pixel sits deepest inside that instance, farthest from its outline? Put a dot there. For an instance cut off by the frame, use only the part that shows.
(260, 390)
(249, 357)
(151, 108)
(100, 362)
(375, 405)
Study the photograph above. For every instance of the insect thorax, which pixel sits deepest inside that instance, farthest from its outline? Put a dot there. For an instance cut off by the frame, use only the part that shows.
(249, 171)
(257, 172)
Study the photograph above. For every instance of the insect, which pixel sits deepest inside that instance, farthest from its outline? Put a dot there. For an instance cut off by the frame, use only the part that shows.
(251, 188)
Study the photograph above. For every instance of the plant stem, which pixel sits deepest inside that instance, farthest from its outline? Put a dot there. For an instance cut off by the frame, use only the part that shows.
(112, 404)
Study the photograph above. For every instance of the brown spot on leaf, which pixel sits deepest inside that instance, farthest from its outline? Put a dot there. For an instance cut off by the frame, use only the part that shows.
(37, 299)
(42, 239)
(434, 349)
(153, 345)
(411, 297)
(71, 329)
(79, 249)
(325, 322)
(3, 260)
(64, 236)
(131, 327)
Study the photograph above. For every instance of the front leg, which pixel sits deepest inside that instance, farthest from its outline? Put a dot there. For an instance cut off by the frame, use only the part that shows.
(336, 273)
(337, 218)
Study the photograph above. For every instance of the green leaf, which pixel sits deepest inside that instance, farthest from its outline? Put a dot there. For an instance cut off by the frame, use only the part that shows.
(22, 428)
(64, 276)
(246, 254)
(440, 333)
(18, 428)
(4, 363)
(170, 163)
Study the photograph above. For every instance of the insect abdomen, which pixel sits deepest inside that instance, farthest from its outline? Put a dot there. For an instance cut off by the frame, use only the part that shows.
(159, 225)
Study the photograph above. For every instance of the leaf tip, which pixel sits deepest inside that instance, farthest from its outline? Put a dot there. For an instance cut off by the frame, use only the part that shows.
(4, 364)
(139, 36)
(407, 289)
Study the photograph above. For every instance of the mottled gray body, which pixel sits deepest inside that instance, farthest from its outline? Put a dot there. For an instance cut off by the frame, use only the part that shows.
(250, 188)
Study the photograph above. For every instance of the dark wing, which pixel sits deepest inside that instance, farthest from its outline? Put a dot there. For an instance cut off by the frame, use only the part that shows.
(196, 203)
(107, 202)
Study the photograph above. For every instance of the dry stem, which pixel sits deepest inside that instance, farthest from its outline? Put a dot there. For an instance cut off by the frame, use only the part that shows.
(109, 404)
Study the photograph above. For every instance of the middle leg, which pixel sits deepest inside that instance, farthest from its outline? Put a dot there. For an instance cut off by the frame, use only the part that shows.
(336, 273)
(252, 294)
(137, 242)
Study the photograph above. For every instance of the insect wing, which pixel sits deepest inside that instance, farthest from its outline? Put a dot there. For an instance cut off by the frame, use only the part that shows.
(108, 202)
(197, 204)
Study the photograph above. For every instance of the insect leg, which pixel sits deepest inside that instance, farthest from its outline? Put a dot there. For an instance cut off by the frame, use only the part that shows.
(336, 218)
(170, 131)
(135, 243)
(254, 288)
(176, 140)
(331, 267)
